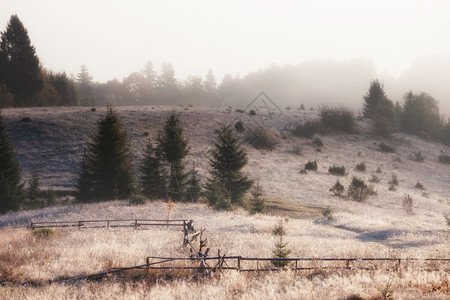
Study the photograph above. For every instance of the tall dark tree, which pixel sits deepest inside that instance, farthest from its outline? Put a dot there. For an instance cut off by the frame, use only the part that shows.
(228, 159)
(173, 147)
(153, 177)
(20, 70)
(373, 97)
(11, 189)
(193, 184)
(65, 88)
(106, 170)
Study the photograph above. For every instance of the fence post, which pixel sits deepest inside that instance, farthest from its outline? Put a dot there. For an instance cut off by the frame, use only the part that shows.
(79, 224)
(135, 224)
(296, 265)
(239, 263)
(148, 264)
(31, 226)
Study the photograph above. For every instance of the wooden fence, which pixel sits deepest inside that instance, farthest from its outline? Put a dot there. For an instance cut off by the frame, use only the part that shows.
(186, 225)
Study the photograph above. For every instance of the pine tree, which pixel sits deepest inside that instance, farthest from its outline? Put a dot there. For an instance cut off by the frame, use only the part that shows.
(154, 178)
(85, 89)
(193, 184)
(280, 250)
(173, 148)
(372, 98)
(106, 170)
(228, 159)
(257, 203)
(34, 189)
(19, 65)
(11, 189)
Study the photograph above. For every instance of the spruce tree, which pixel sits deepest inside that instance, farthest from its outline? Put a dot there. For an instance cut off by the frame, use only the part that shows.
(173, 148)
(280, 250)
(372, 98)
(153, 178)
(193, 184)
(20, 70)
(257, 203)
(228, 159)
(11, 189)
(106, 170)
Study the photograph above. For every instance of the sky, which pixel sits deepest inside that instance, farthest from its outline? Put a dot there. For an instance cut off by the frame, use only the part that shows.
(115, 38)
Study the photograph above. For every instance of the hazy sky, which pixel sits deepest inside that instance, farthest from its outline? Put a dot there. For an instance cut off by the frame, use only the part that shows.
(115, 38)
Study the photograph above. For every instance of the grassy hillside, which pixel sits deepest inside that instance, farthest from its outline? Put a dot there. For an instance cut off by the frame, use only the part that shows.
(53, 142)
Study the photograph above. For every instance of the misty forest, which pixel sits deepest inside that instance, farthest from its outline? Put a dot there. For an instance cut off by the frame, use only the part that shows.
(323, 179)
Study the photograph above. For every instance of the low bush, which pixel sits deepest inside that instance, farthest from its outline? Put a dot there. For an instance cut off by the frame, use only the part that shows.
(407, 203)
(252, 112)
(386, 148)
(361, 167)
(239, 126)
(374, 179)
(261, 139)
(26, 119)
(417, 156)
(308, 129)
(43, 232)
(419, 186)
(328, 213)
(338, 119)
(393, 183)
(311, 165)
(359, 191)
(336, 170)
(137, 199)
(338, 189)
(318, 142)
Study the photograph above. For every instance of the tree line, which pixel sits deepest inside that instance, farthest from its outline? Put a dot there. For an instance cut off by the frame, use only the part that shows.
(107, 171)
(418, 114)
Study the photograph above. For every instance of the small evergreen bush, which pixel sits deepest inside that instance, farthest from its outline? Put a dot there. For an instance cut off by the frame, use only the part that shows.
(386, 148)
(444, 158)
(311, 165)
(361, 167)
(239, 126)
(217, 197)
(417, 156)
(257, 203)
(393, 183)
(337, 189)
(328, 213)
(336, 170)
(261, 139)
(374, 179)
(419, 186)
(407, 203)
(318, 142)
(252, 112)
(358, 190)
(26, 120)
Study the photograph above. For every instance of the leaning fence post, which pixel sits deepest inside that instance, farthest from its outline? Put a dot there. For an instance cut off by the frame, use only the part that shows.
(239, 263)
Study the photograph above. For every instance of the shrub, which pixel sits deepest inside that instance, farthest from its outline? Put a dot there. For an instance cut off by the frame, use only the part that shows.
(288, 107)
(338, 119)
(407, 203)
(43, 232)
(307, 130)
(26, 119)
(252, 112)
(419, 186)
(361, 167)
(217, 197)
(447, 219)
(386, 148)
(358, 190)
(280, 250)
(337, 189)
(311, 165)
(336, 170)
(379, 171)
(318, 142)
(374, 179)
(382, 126)
(417, 156)
(302, 107)
(261, 139)
(328, 213)
(50, 197)
(393, 183)
(239, 126)
(444, 158)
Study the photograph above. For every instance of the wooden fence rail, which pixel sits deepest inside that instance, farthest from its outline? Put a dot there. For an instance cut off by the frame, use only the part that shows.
(186, 225)
(240, 263)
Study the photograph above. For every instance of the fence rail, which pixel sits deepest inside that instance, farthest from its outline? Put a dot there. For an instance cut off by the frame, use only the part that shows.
(186, 225)
(257, 264)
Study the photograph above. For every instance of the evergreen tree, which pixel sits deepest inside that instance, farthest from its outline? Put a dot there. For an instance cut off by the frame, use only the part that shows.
(228, 159)
(193, 184)
(372, 98)
(280, 250)
(106, 170)
(153, 179)
(85, 89)
(173, 148)
(34, 188)
(11, 190)
(257, 203)
(20, 70)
